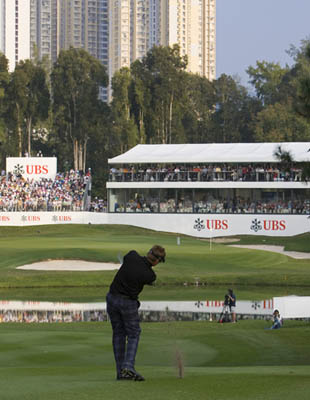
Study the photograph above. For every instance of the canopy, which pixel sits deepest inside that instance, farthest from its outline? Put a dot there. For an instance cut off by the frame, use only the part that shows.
(211, 153)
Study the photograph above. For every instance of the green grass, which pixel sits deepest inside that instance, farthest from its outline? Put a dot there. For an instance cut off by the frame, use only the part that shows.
(192, 260)
(221, 361)
(151, 293)
(74, 361)
(290, 243)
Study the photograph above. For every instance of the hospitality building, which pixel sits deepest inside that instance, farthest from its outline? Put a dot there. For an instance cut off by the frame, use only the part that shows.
(237, 188)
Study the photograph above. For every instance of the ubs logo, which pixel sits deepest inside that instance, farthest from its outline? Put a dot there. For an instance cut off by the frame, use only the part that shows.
(256, 225)
(268, 225)
(18, 169)
(199, 224)
(211, 224)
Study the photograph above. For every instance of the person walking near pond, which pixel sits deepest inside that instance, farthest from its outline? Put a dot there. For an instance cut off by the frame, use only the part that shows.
(123, 304)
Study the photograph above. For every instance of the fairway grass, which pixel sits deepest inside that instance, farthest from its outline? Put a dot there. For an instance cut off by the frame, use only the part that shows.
(221, 361)
(75, 361)
(188, 263)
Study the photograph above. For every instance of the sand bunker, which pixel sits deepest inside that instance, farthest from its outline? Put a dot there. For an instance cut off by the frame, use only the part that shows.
(70, 265)
(275, 249)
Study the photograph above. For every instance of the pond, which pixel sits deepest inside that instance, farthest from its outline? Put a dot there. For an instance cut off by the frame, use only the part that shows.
(186, 303)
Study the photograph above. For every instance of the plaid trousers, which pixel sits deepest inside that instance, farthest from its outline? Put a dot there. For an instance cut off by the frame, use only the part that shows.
(123, 313)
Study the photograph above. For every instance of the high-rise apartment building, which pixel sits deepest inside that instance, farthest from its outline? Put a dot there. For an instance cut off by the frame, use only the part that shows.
(191, 24)
(15, 30)
(116, 32)
(44, 27)
(138, 25)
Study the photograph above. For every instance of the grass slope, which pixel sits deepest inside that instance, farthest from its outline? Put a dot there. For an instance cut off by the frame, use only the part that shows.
(290, 243)
(192, 260)
(75, 361)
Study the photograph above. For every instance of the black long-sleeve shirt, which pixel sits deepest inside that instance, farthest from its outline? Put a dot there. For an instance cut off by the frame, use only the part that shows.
(135, 272)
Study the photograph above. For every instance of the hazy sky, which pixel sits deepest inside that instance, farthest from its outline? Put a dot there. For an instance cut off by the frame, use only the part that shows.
(251, 30)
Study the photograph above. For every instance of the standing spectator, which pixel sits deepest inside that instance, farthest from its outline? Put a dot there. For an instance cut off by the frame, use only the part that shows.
(232, 304)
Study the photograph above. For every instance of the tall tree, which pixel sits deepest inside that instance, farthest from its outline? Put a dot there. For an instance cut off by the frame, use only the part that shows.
(267, 79)
(230, 115)
(198, 108)
(279, 123)
(302, 104)
(4, 80)
(302, 81)
(124, 126)
(139, 97)
(28, 98)
(76, 78)
(161, 72)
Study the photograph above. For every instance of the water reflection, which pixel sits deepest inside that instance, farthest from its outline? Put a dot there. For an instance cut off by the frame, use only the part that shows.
(42, 311)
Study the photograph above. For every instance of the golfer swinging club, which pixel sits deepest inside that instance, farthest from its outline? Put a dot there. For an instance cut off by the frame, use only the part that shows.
(122, 307)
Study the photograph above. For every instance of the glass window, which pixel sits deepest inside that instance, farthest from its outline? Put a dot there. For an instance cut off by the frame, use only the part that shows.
(224, 200)
(184, 201)
(167, 201)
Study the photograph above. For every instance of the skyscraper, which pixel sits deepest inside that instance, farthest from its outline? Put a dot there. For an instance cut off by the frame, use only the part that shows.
(138, 25)
(15, 30)
(116, 32)
(44, 27)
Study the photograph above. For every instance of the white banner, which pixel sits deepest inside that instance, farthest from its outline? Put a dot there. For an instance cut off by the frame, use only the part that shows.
(197, 225)
(218, 225)
(293, 306)
(32, 167)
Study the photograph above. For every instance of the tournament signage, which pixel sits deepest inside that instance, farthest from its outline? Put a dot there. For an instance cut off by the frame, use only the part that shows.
(32, 167)
(202, 226)
(255, 224)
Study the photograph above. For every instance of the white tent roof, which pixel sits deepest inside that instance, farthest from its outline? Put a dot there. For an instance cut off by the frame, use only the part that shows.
(210, 153)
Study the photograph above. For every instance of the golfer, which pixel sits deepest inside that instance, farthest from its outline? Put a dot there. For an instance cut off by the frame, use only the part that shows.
(122, 307)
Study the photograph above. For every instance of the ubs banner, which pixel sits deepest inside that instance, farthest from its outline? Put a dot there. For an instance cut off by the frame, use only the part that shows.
(32, 167)
(198, 225)
(218, 225)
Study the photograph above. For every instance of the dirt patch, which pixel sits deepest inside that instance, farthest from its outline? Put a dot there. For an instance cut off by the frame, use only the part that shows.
(225, 240)
(221, 240)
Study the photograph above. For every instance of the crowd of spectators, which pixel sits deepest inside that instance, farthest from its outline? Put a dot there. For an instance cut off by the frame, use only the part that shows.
(237, 205)
(206, 173)
(68, 190)
(64, 193)
(98, 205)
(51, 316)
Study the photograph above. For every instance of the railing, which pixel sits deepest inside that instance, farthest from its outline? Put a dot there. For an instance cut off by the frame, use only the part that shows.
(257, 175)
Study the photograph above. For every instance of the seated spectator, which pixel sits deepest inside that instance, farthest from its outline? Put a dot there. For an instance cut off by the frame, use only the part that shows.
(64, 193)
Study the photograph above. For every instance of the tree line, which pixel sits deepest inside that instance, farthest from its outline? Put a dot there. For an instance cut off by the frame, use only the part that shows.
(56, 109)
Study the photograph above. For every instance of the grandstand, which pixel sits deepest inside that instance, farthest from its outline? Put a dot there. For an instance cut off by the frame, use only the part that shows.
(203, 190)
(33, 184)
(214, 182)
